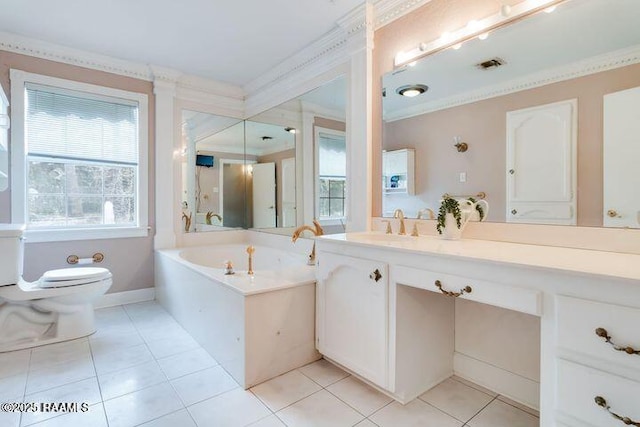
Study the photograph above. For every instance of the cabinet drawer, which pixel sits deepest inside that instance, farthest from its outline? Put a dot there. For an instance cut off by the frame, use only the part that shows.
(578, 387)
(579, 320)
(518, 299)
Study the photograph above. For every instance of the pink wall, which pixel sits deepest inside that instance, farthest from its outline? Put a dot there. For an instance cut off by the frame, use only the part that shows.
(130, 260)
(483, 126)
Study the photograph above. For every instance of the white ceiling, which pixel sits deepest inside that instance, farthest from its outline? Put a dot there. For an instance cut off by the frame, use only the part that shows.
(225, 40)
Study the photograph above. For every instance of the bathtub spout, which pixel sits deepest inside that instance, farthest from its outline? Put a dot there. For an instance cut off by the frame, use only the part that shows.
(317, 231)
(250, 251)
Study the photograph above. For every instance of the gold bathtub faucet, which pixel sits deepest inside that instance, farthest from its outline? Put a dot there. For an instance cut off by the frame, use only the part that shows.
(317, 231)
(250, 251)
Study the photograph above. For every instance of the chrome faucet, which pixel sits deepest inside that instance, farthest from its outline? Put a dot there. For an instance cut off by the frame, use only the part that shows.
(398, 214)
(317, 231)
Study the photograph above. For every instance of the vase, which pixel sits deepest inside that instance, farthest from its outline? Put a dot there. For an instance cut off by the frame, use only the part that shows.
(450, 231)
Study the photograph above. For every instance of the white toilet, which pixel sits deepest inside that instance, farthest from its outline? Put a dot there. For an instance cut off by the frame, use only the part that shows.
(56, 307)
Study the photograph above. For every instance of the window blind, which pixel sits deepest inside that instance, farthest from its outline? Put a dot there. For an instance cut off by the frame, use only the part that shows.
(65, 125)
(332, 156)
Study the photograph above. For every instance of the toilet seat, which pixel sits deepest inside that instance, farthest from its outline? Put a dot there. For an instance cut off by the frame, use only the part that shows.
(66, 277)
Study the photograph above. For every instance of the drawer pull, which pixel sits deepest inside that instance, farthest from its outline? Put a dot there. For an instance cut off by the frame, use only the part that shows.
(601, 401)
(466, 290)
(602, 333)
(375, 275)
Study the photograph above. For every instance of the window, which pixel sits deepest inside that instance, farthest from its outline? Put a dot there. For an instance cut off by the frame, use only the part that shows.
(82, 167)
(332, 170)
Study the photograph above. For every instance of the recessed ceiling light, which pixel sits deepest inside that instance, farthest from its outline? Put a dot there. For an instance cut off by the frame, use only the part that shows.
(267, 138)
(290, 130)
(412, 90)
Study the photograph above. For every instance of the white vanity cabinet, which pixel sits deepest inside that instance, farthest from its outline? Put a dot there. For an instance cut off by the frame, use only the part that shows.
(352, 295)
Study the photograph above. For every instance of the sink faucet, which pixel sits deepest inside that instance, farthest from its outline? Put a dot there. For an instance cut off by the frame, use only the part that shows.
(317, 231)
(398, 214)
(429, 213)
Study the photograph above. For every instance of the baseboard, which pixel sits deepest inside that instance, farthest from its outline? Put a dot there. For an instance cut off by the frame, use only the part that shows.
(126, 297)
(515, 387)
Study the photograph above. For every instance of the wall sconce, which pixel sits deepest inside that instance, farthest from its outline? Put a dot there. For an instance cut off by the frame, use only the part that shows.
(460, 146)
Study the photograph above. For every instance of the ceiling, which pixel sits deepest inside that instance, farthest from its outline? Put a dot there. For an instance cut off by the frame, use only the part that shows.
(229, 41)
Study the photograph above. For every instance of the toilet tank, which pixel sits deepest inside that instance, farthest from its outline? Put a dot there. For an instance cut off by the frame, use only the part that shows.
(11, 252)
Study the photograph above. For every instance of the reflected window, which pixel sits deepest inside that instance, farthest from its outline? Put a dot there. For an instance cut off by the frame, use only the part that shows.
(332, 171)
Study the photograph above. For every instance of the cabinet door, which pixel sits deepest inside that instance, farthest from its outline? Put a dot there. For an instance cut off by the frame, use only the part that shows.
(352, 314)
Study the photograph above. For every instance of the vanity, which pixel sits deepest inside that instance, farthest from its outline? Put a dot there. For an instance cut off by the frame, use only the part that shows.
(388, 311)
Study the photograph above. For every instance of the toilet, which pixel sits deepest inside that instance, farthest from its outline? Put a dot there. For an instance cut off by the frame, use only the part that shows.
(57, 307)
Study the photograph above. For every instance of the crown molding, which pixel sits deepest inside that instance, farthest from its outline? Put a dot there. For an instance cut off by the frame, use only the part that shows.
(387, 11)
(597, 64)
(191, 87)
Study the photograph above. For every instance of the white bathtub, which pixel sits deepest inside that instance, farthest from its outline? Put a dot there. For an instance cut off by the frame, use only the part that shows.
(256, 327)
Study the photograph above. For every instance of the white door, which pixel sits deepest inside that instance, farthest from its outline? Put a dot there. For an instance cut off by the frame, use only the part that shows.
(541, 164)
(352, 314)
(264, 195)
(621, 153)
(288, 190)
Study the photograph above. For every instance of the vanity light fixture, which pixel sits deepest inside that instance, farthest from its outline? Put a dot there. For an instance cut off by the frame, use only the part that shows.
(412, 90)
(290, 130)
(476, 28)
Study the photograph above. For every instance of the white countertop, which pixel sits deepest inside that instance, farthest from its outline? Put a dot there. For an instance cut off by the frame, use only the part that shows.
(608, 264)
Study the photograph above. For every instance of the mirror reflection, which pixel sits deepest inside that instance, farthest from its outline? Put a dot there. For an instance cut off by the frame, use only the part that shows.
(542, 117)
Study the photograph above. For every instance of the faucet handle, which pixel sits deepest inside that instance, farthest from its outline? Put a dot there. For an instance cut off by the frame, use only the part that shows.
(388, 230)
(414, 232)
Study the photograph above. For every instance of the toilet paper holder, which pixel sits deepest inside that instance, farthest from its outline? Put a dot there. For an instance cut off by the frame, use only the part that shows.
(75, 259)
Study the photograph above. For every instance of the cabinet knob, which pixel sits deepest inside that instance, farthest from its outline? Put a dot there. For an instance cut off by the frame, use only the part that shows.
(602, 402)
(602, 333)
(513, 211)
(375, 275)
(511, 171)
(612, 213)
(466, 290)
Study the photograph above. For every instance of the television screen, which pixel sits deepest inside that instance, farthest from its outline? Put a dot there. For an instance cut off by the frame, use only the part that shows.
(202, 160)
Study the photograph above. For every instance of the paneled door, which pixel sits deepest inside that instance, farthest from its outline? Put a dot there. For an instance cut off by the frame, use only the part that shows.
(264, 195)
(621, 154)
(541, 164)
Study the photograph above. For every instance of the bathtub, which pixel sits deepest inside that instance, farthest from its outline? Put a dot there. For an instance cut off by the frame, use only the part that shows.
(257, 327)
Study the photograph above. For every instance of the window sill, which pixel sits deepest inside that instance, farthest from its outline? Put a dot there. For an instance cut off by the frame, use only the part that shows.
(61, 235)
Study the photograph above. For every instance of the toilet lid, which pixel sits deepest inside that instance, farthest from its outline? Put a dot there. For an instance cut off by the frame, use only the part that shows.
(73, 276)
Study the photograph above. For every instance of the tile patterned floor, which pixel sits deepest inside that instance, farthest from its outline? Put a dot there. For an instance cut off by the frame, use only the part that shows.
(142, 368)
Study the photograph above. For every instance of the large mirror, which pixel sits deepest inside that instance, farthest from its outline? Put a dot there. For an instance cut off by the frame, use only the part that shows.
(542, 118)
(272, 172)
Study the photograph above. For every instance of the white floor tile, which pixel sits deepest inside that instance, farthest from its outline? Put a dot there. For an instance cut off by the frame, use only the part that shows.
(9, 419)
(414, 414)
(284, 390)
(55, 354)
(204, 384)
(115, 339)
(185, 363)
(172, 345)
(500, 414)
(110, 317)
(321, 409)
(474, 385)
(94, 417)
(176, 419)
(234, 408)
(85, 391)
(359, 396)
(323, 372)
(56, 376)
(122, 359)
(142, 406)
(457, 399)
(520, 406)
(162, 330)
(131, 379)
(12, 388)
(14, 363)
(270, 421)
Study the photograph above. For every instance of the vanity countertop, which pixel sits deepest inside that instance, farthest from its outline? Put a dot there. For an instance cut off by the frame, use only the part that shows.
(581, 261)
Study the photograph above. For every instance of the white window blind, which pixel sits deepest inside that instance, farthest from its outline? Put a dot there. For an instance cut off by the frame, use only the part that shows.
(332, 155)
